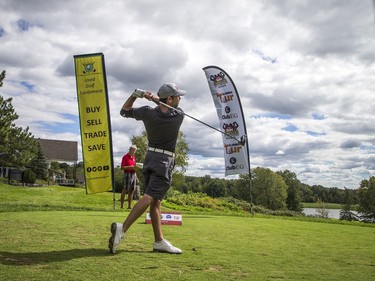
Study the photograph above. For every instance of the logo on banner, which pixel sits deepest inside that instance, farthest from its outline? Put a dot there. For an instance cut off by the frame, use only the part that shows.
(233, 161)
(225, 97)
(232, 148)
(231, 128)
(88, 67)
(173, 218)
(219, 79)
(229, 115)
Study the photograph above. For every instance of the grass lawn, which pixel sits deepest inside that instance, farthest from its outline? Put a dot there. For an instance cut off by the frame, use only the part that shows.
(62, 233)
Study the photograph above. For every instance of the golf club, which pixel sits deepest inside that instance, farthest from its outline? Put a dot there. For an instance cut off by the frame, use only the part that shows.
(139, 94)
(241, 141)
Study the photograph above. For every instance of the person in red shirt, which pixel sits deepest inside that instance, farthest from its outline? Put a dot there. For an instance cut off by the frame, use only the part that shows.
(128, 166)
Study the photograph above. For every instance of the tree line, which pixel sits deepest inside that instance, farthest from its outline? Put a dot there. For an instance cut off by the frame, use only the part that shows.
(280, 190)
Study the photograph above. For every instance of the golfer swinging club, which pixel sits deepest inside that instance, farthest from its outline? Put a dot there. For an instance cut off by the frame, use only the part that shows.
(162, 126)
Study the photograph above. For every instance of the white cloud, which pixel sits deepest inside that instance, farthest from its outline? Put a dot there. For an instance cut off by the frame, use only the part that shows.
(304, 71)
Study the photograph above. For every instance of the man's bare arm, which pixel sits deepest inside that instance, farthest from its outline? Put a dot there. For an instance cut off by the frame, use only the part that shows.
(128, 105)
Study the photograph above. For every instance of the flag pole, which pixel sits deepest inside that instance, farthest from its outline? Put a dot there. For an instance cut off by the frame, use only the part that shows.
(250, 183)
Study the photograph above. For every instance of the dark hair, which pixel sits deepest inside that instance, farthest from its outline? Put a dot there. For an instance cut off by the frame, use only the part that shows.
(163, 100)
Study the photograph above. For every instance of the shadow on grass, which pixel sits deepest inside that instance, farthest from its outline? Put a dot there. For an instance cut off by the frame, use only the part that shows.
(19, 259)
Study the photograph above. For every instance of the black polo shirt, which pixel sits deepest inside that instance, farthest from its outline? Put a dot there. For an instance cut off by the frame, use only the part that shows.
(162, 127)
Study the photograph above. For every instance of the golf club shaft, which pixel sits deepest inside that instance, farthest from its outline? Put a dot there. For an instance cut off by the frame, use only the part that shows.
(183, 113)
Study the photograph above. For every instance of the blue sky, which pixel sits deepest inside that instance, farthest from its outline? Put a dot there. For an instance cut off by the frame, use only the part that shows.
(303, 69)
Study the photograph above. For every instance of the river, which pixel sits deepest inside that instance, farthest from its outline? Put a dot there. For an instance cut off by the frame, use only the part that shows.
(332, 213)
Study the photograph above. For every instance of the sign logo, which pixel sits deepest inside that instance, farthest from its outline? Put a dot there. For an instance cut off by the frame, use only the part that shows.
(225, 97)
(229, 115)
(232, 160)
(232, 148)
(219, 79)
(88, 67)
(231, 128)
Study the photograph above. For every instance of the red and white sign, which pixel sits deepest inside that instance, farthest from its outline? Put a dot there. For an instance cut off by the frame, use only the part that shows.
(172, 218)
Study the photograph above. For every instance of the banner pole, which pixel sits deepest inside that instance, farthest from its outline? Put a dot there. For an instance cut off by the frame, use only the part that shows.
(114, 198)
(110, 137)
(250, 183)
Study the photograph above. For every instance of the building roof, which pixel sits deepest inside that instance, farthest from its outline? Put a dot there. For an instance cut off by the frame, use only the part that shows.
(59, 150)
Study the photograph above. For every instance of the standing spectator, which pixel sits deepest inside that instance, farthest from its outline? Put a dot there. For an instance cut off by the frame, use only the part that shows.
(130, 178)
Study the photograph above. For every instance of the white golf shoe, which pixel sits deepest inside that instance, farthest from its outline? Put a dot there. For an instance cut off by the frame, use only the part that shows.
(117, 234)
(165, 247)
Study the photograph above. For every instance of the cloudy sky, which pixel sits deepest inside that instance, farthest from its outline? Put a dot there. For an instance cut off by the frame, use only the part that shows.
(304, 71)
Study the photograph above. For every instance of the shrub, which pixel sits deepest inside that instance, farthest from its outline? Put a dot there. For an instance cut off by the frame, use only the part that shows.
(29, 176)
(201, 200)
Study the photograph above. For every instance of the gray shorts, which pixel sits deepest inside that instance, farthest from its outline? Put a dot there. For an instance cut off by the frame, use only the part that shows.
(129, 181)
(157, 174)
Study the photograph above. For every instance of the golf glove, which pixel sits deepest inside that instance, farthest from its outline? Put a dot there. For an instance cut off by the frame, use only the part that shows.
(138, 93)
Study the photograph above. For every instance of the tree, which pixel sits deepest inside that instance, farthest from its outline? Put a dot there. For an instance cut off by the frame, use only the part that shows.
(293, 200)
(366, 196)
(194, 184)
(269, 189)
(178, 181)
(321, 209)
(307, 193)
(142, 143)
(345, 212)
(241, 190)
(182, 150)
(39, 165)
(215, 188)
(231, 188)
(55, 166)
(29, 177)
(2, 77)
(119, 179)
(17, 146)
(69, 170)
